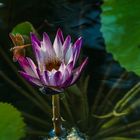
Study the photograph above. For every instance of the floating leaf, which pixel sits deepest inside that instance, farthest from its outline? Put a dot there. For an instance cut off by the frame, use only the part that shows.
(120, 27)
(11, 123)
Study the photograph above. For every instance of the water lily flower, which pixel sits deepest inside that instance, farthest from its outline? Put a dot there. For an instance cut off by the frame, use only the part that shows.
(55, 64)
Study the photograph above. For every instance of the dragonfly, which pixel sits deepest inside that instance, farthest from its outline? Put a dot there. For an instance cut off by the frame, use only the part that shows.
(19, 46)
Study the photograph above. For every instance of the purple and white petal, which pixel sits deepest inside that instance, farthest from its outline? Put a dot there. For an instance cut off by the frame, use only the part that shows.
(58, 78)
(62, 67)
(76, 49)
(65, 75)
(77, 71)
(31, 79)
(50, 77)
(70, 67)
(46, 74)
(65, 71)
(47, 46)
(58, 45)
(37, 51)
(42, 77)
(67, 82)
(60, 34)
(66, 44)
(27, 66)
(69, 55)
(33, 66)
(35, 39)
(45, 54)
(36, 46)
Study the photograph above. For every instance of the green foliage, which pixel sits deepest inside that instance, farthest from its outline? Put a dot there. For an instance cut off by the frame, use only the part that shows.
(12, 126)
(120, 27)
(23, 28)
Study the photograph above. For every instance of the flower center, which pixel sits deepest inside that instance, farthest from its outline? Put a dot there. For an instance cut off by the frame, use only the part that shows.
(55, 64)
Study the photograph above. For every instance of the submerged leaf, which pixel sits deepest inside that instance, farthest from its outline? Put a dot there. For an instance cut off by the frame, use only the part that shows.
(123, 103)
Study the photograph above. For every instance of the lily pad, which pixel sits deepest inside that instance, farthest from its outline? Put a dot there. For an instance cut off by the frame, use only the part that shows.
(24, 28)
(12, 126)
(121, 31)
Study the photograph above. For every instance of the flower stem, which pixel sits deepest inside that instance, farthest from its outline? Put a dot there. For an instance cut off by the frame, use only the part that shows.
(56, 114)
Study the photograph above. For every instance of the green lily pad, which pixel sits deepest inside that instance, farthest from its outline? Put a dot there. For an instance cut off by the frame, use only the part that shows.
(12, 126)
(121, 31)
(24, 28)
